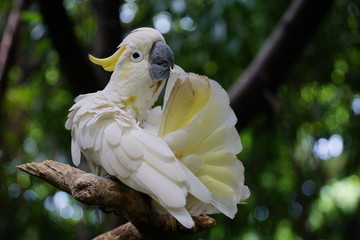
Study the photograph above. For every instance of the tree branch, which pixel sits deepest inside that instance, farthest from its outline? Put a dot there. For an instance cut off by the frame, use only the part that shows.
(126, 231)
(105, 192)
(263, 76)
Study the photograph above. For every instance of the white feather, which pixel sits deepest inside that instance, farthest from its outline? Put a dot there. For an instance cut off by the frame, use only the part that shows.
(130, 164)
(154, 144)
(196, 188)
(132, 146)
(173, 197)
(75, 152)
(172, 169)
(113, 133)
(112, 164)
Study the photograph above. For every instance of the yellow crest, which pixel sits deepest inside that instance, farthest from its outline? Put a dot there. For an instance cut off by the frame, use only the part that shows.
(108, 63)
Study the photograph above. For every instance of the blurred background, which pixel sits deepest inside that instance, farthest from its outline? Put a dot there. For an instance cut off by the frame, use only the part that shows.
(299, 120)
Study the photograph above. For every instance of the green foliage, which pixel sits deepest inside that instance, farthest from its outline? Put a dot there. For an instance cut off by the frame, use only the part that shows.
(302, 167)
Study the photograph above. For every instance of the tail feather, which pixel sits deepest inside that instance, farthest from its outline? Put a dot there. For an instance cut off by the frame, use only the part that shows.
(183, 216)
(196, 187)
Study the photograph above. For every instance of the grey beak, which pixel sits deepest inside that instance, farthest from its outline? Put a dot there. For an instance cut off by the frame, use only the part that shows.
(161, 60)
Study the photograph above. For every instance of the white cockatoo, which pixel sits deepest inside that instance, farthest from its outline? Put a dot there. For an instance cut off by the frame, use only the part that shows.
(182, 156)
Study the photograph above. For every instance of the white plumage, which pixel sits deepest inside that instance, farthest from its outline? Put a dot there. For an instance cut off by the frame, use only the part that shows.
(112, 140)
(183, 156)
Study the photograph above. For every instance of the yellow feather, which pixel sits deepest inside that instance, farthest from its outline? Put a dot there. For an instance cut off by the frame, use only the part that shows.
(108, 63)
(218, 188)
(186, 100)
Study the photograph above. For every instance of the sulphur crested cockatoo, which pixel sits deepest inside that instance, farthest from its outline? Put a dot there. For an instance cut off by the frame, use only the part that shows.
(156, 151)
(105, 126)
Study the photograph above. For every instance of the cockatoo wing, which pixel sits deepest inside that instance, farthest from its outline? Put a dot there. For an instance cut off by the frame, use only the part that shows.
(194, 95)
(110, 138)
(198, 125)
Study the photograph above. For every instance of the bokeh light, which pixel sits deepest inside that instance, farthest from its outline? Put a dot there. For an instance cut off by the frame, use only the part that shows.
(327, 148)
(261, 213)
(178, 6)
(187, 24)
(355, 105)
(295, 209)
(162, 22)
(308, 188)
(14, 190)
(60, 205)
(128, 12)
(37, 32)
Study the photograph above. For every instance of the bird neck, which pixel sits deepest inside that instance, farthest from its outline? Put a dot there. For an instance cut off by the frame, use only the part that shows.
(136, 97)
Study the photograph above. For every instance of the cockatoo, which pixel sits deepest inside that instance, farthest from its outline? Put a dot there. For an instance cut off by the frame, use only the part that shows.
(156, 151)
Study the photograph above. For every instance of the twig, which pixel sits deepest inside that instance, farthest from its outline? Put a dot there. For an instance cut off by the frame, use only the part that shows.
(126, 231)
(105, 192)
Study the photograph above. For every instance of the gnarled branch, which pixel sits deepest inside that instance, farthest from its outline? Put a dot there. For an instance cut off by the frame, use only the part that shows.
(105, 192)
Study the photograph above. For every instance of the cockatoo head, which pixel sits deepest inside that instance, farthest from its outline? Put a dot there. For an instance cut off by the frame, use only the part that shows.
(141, 65)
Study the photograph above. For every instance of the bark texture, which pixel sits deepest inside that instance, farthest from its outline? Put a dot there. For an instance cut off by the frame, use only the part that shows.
(144, 223)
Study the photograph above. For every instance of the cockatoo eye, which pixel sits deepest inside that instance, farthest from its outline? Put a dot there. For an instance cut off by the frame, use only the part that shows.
(137, 56)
